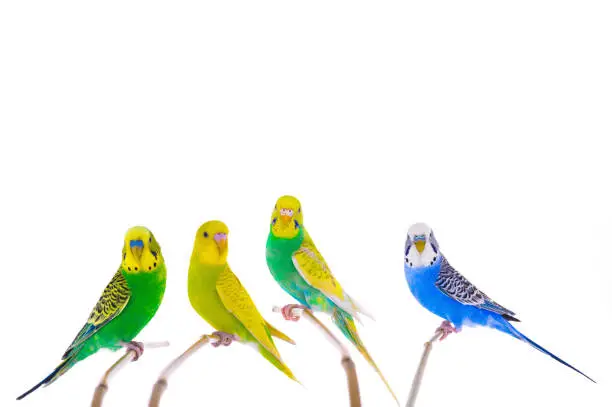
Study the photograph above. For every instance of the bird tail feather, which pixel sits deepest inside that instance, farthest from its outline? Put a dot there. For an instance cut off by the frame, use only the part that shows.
(278, 334)
(55, 374)
(361, 309)
(347, 325)
(508, 328)
(278, 363)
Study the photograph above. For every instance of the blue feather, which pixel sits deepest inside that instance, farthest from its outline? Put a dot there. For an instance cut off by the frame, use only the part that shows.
(463, 304)
(60, 370)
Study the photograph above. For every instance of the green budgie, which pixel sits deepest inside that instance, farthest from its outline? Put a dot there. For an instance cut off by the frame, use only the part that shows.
(126, 306)
(299, 268)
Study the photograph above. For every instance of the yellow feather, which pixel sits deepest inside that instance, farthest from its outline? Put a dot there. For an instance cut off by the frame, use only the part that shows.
(315, 271)
(239, 303)
(278, 334)
(113, 300)
(218, 296)
(364, 352)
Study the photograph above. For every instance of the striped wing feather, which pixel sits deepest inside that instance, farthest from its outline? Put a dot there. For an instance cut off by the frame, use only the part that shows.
(453, 284)
(112, 301)
(312, 267)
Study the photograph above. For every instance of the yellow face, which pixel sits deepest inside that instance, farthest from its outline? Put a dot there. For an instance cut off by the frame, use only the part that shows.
(287, 217)
(210, 245)
(141, 252)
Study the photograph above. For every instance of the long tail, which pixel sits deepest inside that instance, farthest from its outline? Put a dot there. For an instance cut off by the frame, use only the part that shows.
(508, 328)
(59, 370)
(278, 334)
(347, 325)
(279, 364)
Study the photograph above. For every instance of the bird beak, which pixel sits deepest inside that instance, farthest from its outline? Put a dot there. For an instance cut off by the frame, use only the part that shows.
(286, 215)
(221, 240)
(420, 245)
(136, 246)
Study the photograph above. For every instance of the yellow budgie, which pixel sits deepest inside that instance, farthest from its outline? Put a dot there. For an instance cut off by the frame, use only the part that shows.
(218, 296)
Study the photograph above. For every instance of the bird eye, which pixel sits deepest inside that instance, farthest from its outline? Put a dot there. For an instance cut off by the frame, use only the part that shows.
(205, 234)
(150, 239)
(300, 210)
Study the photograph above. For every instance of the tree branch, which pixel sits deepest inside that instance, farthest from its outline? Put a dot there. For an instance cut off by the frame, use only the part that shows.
(347, 362)
(127, 357)
(418, 377)
(162, 382)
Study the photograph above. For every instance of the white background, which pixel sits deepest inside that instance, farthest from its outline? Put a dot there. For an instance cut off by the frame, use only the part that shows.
(488, 120)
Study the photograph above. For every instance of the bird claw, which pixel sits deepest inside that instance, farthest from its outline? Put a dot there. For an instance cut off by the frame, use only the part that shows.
(225, 339)
(137, 347)
(446, 328)
(287, 312)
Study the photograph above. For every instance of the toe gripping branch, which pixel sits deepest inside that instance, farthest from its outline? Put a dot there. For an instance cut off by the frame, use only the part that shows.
(133, 351)
(216, 339)
(294, 313)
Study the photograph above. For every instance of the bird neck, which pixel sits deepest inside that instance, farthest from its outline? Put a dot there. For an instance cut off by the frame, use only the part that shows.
(286, 244)
(147, 281)
(206, 273)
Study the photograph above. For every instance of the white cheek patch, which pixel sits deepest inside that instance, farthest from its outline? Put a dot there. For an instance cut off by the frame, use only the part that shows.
(414, 259)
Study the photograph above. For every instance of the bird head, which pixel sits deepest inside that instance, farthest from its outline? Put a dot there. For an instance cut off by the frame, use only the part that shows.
(210, 245)
(287, 217)
(421, 249)
(141, 252)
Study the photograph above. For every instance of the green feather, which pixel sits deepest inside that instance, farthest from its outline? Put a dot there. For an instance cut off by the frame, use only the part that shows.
(279, 252)
(145, 289)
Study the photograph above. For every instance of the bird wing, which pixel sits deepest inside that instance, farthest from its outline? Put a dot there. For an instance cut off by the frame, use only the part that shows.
(312, 267)
(278, 334)
(237, 301)
(112, 301)
(453, 284)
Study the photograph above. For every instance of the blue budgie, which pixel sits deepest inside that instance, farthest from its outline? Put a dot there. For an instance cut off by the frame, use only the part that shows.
(442, 290)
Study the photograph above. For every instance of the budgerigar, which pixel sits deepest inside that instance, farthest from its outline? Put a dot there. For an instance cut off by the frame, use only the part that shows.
(219, 297)
(446, 293)
(299, 268)
(126, 306)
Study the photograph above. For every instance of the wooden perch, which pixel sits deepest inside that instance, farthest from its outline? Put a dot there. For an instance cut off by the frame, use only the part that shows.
(127, 357)
(347, 361)
(162, 382)
(418, 377)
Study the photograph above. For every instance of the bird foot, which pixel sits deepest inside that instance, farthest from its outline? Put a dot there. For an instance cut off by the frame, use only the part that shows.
(288, 314)
(225, 339)
(446, 328)
(137, 347)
